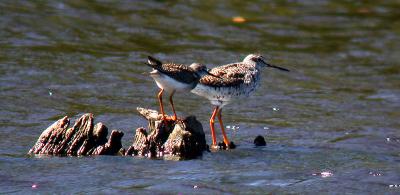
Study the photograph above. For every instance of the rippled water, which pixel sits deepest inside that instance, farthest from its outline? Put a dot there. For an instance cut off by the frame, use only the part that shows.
(332, 124)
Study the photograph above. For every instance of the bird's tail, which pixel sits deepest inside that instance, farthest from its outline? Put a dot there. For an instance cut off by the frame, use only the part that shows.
(152, 62)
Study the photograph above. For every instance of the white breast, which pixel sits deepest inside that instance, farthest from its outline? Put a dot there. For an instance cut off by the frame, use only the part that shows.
(169, 84)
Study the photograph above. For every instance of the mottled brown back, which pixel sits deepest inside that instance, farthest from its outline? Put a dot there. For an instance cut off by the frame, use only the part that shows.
(179, 72)
(231, 75)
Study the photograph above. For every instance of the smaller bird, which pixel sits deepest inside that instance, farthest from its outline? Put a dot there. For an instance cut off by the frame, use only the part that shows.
(171, 77)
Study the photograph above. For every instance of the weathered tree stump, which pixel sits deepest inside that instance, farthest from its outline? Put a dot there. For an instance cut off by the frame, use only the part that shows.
(183, 139)
(83, 138)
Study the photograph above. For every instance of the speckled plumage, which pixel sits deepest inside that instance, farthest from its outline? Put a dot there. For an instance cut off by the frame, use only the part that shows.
(179, 72)
(173, 77)
(232, 81)
(236, 79)
(231, 75)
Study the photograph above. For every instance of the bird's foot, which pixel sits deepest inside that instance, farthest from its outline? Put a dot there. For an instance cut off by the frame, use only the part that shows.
(170, 119)
(173, 118)
(167, 121)
(223, 146)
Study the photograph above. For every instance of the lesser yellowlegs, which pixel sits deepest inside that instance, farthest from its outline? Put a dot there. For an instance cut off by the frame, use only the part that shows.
(172, 77)
(231, 81)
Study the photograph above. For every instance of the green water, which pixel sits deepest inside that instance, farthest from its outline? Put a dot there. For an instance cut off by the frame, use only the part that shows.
(336, 112)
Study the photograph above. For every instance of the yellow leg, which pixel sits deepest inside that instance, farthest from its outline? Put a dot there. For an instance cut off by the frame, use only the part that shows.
(214, 138)
(161, 103)
(172, 104)
(226, 140)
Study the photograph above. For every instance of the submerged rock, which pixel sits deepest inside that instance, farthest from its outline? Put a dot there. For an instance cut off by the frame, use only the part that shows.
(260, 141)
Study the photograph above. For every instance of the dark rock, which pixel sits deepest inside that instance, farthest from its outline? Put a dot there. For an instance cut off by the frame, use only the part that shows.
(260, 141)
(232, 145)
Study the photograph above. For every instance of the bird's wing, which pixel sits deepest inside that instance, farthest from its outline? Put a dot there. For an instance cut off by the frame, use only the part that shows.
(186, 74)
(179, 72)
(235, 70)
(220, 82)
(230, 75)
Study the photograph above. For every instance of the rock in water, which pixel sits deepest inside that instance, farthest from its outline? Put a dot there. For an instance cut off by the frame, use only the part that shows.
(184, 139)
(260, 141)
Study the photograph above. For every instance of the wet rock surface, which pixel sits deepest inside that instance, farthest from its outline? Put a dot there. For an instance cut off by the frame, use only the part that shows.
(260, 141)
(183, 139)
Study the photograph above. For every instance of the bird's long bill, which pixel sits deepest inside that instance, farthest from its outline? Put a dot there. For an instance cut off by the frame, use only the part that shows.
(277, 67)
(273, 66)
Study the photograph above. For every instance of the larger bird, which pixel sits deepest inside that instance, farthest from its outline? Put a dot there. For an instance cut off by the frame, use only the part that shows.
(235, 81)
(172, 77)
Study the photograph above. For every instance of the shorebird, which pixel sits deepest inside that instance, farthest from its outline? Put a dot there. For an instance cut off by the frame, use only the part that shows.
(230, 82)
(172, 77)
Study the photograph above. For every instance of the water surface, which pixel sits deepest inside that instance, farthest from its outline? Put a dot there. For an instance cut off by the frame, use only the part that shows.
(331, 124)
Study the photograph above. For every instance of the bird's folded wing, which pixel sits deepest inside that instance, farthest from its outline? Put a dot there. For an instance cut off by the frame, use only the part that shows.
(179, 72)
(230, 75)
(220, 82)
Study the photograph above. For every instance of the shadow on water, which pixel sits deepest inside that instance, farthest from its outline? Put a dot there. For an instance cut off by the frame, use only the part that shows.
(331, 124)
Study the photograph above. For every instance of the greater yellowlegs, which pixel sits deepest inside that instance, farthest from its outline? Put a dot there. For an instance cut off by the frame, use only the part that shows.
(231, 81)
(172, 77)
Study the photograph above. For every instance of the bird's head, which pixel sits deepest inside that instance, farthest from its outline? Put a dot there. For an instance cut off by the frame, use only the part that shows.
(259, 60)
(201, 70)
